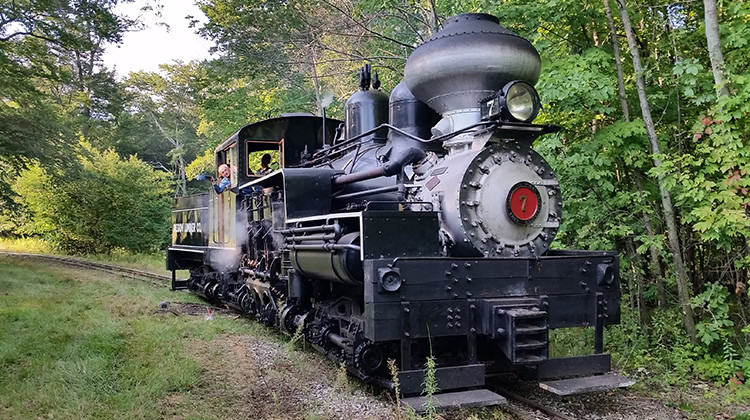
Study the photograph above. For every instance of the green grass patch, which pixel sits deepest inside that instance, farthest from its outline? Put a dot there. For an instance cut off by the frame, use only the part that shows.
(80, 344)
(155, 262)
(32, 245)
(569, 342)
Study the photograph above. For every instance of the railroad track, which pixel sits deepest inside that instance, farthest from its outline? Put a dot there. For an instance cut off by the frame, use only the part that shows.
(528, 409)
(156, 279)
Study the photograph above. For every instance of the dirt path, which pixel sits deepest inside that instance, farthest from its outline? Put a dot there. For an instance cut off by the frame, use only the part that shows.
(250, 377)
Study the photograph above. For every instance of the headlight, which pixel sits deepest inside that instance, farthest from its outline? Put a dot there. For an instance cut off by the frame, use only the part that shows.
(516, 101)
(522, 102)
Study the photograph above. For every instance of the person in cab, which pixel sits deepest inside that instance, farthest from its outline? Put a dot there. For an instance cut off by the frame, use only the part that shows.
(265, 167)
(223, 182)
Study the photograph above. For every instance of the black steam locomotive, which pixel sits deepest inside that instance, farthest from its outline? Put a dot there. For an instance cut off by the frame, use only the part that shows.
(418, 227)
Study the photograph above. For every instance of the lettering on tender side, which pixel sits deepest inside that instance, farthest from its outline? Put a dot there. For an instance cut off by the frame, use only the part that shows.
(187, 227)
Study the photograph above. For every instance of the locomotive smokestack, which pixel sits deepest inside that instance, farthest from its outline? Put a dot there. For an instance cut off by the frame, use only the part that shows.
(471, 58)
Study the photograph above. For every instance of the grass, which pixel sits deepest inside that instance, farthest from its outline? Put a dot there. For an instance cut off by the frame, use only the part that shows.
(87, 345)
(31, 245)
(568, 342)
(154, 263)
(82, 344)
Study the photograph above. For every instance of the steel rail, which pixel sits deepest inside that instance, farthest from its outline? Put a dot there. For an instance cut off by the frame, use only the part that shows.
(554, 414)
(78, 262)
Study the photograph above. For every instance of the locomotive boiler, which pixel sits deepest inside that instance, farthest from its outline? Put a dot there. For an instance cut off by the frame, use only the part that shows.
(420, 227)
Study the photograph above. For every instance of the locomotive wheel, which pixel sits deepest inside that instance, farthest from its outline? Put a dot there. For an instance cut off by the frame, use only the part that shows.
(268, 315)
(289, 314)
(369, 359)
(248, 303)
(211, 290)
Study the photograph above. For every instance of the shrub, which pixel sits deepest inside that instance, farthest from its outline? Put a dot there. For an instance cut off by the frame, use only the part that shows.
(109, 203)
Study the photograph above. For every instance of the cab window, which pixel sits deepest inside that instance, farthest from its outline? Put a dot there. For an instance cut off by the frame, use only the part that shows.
(229, 156)
(256, 149)
(254, 160)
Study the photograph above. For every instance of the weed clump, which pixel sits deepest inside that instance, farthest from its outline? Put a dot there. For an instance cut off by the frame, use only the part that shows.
(342, 382)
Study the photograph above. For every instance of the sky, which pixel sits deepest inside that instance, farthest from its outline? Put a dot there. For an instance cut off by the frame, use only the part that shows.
(146, 49)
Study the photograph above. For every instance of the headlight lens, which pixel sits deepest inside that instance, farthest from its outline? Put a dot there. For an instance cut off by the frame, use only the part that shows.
(521, 101)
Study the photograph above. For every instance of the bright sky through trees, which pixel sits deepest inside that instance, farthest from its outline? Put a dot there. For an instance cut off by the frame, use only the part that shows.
(146, 49)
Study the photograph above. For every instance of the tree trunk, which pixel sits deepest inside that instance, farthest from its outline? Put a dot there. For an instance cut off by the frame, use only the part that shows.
(653, 252)
(618, 62)
(681, 277)
(175, 142)
(429, 17)
(656, 270)
(182, 186)
(636, 293)
(714, 47)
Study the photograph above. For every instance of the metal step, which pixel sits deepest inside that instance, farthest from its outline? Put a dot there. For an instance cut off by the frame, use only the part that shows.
(529, 358)
(527, 335)
(531, 330)
(523, 313)
(179, 284)
(586, 384)
(529, 344)
(460, 399)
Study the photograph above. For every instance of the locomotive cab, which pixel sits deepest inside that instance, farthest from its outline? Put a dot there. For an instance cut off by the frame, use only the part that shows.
(209, 230)
(290, 140)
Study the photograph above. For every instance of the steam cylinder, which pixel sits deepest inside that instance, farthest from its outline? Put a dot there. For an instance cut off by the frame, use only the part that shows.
(338, 262)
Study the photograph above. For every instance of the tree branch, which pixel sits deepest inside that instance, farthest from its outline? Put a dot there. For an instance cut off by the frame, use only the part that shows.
(172, 141)
(361, 25)
(33, 35)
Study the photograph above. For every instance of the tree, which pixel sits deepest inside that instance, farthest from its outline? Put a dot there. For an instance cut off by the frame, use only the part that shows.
(112, 203)
(50, 86)
(276, 39)
(168, 104)
(683, 284)
(26, 113)
(315, 47)
(714, 46)
(624, 106)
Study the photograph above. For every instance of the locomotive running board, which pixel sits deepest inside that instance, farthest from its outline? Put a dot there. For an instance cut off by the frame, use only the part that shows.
(459, 399)
(574, 386)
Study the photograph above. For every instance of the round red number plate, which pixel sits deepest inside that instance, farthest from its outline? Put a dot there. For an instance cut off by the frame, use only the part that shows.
(523, 202)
